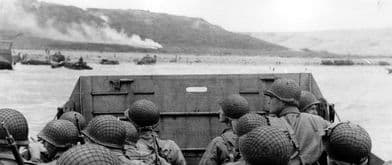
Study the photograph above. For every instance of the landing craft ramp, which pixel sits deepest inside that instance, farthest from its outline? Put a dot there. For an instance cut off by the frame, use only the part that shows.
(188, 103)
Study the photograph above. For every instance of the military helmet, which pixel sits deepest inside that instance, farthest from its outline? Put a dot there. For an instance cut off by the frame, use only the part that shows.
(266, 145)
(143, 113)
(307, 99)
(72, 116)
(16, 124)
(88, 154)
(348, 142)
(285, 90)
(249, 122)
(234, 106)
(132, 134)
(60, 133)
(106, 130)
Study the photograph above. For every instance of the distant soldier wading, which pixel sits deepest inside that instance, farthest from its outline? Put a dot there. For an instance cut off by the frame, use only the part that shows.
(223, 149)
(144, 115)
(308, 129)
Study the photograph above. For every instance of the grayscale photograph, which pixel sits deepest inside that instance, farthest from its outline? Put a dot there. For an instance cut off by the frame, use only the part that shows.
(195, 82)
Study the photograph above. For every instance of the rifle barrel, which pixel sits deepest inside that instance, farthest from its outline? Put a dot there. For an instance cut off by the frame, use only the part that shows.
(12, 145)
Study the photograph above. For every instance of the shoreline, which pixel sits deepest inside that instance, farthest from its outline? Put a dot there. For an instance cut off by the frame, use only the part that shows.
(130, 57)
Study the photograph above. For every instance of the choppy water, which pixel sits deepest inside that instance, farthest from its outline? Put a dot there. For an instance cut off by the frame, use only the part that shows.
(361, 93)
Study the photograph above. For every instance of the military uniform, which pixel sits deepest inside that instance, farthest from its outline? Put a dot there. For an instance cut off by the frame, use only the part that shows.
(166, 149)
(145, 116)
(251, 121)
(308, 132)
(123, 159)
(307, 129)
(144, 157)
(221, 150)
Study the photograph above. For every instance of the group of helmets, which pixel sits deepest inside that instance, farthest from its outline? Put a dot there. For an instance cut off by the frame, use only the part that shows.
(288, 91)
(62, 134)
(261, 142)
(108, 131)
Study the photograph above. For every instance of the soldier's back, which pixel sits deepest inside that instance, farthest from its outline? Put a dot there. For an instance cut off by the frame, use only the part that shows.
(171, 152)
(221, 150)
(308, 130)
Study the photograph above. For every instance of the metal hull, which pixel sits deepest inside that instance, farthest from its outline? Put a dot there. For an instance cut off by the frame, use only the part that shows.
(188, 103)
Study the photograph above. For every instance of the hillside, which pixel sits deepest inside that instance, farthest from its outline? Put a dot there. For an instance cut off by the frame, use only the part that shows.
(370, 42)
(179, 31)
(69, 27)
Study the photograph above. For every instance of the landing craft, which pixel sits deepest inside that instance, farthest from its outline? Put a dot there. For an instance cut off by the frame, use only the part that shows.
(5, 55)
(389, 70)
(146, 60)
(188, 103)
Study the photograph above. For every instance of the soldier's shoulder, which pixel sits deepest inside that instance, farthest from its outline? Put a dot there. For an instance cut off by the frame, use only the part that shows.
(168, 144)
(217, 141)
(315, 119)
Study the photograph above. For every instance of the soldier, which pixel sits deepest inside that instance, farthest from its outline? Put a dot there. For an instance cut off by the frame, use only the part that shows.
(57, 137)
(76, 118)
(108, 131)
(247, 123)
(348, 143)
(222, 149)
(131, 150)
(132, 135)
(308, 103)
(144, 115)
(14, 132)
(307, 129)
(251, 121)
(88, 154)
(265, 145)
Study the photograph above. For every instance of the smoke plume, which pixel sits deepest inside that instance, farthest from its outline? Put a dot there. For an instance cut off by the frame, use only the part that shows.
(15, 17)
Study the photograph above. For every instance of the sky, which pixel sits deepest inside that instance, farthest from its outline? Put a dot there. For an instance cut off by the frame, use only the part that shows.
(264, 15)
